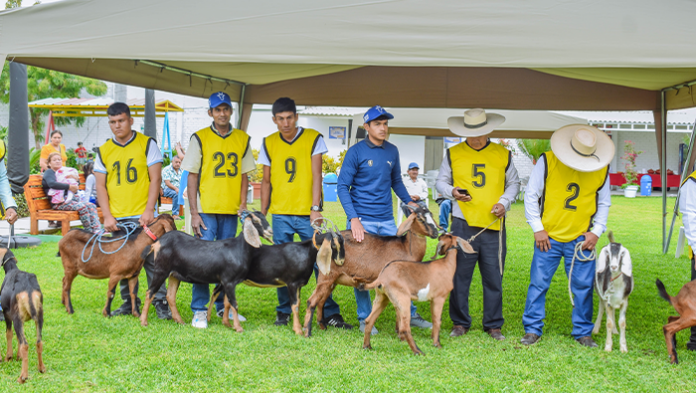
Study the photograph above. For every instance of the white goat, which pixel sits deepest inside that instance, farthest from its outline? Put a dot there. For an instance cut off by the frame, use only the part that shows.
(613, 285)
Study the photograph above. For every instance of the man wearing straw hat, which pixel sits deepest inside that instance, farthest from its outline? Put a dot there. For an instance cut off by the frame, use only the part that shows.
(567, 203)
(480, 176)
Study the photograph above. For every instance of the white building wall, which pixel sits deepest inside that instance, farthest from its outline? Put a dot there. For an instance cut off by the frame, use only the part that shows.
(411, 149)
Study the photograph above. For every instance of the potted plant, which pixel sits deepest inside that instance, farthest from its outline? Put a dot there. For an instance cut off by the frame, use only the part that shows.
(256, 176)
(630, 154)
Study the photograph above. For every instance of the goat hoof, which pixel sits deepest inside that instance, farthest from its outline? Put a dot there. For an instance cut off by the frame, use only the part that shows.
(624, 350)
(42, 369)
(438, 345)
(239, 330)
(368, 346)
(143, 323)
(607, 349)
(22, 379)
(419, 353)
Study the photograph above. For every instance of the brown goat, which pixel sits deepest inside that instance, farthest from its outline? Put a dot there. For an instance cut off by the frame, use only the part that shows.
(685, 305)
(403, 281)
(365, 260)
(126, 263)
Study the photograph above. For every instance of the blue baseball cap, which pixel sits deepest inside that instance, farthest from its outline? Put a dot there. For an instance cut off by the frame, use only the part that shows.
(219, 98)
(413, 165)
(375, 112)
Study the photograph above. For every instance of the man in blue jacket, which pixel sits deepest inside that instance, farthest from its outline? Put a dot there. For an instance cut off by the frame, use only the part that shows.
(370, 170)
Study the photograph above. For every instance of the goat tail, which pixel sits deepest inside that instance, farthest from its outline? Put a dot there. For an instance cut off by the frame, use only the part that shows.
(662, 291)
(610, 235)
(146, 252)
(365, 286)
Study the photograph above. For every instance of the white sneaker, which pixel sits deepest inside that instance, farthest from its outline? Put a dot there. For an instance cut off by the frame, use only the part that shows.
(241, 318)
(200, 320)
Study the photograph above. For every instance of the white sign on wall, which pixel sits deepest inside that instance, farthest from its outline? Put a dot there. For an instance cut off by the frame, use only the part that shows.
(337, 132)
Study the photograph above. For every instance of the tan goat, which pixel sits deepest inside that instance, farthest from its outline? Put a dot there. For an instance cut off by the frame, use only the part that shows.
(403, 281)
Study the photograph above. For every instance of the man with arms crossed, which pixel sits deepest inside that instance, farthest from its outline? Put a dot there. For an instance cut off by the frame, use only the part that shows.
(217, 160)
(371, 169)
(128, 174)
(566, 202)
(485, 171)
(291, 191)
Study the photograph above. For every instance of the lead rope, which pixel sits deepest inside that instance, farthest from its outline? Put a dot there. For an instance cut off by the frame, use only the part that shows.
(500, 240)
(581, 258)
(98, 238)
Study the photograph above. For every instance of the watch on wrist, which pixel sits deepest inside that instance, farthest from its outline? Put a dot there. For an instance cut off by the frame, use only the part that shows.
(317, 208)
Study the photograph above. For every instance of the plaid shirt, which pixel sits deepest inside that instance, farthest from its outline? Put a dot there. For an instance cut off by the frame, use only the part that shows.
(168, 173)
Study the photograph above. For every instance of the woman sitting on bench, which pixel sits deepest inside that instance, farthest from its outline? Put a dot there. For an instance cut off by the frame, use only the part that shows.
(87, 211)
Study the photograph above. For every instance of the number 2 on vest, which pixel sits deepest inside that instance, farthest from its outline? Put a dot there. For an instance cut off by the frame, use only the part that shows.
(290, 168)
(131, 172)
(575, 189)
(232, 157)
(481, 182)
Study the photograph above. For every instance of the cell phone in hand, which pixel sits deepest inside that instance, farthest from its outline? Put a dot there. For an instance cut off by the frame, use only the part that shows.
(464, 192)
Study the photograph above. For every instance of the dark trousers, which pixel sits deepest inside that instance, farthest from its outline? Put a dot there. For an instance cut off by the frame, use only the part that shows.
(486, 246)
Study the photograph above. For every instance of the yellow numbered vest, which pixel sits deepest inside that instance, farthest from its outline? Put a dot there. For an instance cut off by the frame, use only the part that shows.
(482, 173)
(220, 178)
(569, 201)
(127, 178)
(692, 176)
(291, 172)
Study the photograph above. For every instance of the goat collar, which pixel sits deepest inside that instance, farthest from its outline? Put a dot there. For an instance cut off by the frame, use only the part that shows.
(614, 278)
(4, 261)
(149, 233)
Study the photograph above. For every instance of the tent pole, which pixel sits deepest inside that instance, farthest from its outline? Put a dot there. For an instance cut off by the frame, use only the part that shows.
(685, 173)
(242, 93)
(663, 171)
(150, 121)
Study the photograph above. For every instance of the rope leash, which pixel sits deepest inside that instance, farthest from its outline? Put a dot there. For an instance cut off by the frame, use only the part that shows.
(98, 238)
(500, 240)
(582, 258)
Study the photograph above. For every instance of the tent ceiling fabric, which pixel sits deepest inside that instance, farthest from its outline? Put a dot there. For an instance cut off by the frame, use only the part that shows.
(276, 42)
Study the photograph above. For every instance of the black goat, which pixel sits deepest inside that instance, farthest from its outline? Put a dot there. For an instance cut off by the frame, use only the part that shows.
(182, 257)
(291, 265)
(21, 300)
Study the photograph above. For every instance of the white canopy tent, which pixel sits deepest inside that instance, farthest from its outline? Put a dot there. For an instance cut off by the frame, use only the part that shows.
(505, 54)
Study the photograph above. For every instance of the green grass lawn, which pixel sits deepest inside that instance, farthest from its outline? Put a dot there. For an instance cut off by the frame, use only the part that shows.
(87, 352)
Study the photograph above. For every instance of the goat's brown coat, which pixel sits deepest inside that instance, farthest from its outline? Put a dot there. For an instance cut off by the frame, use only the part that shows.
(126, 263)
(364, 261)
(685, 305)
(403, 281)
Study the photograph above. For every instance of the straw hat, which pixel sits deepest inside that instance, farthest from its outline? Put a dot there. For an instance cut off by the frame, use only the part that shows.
(475, 122)
(582, 147)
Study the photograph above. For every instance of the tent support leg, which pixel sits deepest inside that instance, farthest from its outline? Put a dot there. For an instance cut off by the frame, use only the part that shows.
(685, 173)
(663, 171)
(242, 93)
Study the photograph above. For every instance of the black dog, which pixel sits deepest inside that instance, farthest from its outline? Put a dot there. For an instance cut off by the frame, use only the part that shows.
(21, 300)
(182, 257)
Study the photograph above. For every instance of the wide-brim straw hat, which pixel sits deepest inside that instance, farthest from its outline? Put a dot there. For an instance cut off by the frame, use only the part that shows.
(582, 147)
(475, 122)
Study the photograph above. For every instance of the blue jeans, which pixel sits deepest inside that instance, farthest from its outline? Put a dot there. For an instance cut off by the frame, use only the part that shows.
(169, 193)
(445, 211)
(220, 227)
(544, 265)
(284, 229)
(362, 298)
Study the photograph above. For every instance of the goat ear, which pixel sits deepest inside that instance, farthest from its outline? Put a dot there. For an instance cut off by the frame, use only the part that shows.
(603, 260)
(406, 225)
(251, 235)
(465, 246)
(626, 263)
(324, 257)
(438, 250)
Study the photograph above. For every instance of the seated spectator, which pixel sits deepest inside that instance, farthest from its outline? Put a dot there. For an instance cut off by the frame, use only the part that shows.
(171, 176)
(87, 211)
(445, 211)
(416, 188)
(81, 153)
(64, 175)
(90, 184)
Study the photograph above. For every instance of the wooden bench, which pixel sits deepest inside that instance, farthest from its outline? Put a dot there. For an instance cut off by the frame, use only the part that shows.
(40, 206)
(165, 200)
